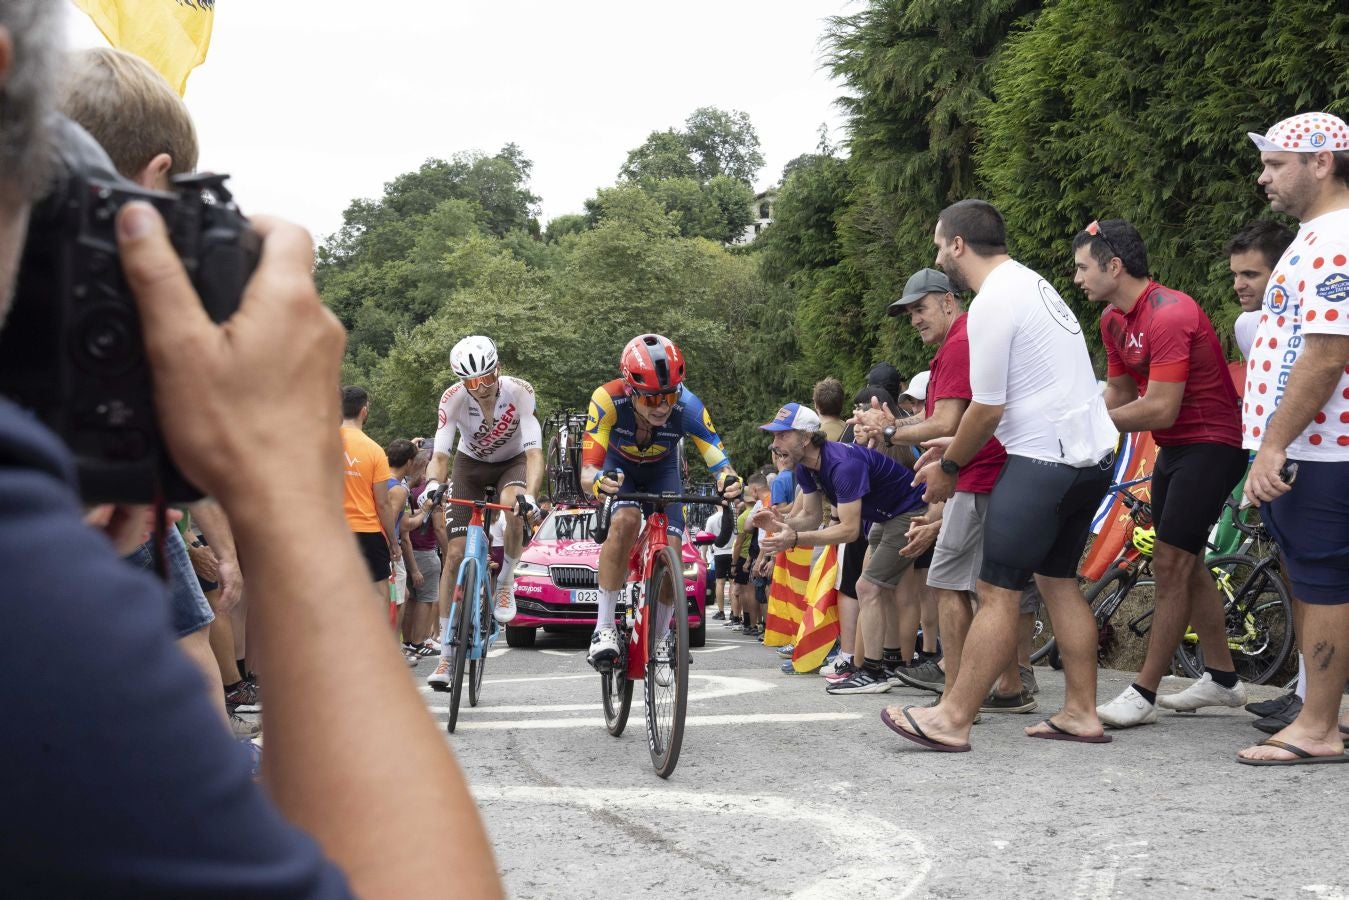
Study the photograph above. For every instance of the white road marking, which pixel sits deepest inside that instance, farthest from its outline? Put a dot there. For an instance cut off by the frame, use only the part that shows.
(1100, 870)
(871, 857)
(713, 649)
(691, 721)
(562, 652)
(499, 651)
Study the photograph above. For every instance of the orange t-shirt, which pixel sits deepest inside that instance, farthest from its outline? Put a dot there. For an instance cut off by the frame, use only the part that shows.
(366, 466)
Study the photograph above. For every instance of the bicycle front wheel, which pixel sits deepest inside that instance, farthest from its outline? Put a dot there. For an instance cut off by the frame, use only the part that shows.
(463, 611)
(1259, 618)
(667, 663)
(483, 621)
(616, 690)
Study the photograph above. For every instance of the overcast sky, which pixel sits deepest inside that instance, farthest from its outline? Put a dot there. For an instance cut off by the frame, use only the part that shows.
(310, 105)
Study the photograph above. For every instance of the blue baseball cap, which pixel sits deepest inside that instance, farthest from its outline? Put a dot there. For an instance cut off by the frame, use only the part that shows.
(793, 417)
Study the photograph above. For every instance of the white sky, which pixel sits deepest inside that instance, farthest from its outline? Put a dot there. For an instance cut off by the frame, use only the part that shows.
(309, 105)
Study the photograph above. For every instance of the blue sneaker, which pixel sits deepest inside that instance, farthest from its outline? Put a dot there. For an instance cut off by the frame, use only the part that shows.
(788, 669)
(786, 649)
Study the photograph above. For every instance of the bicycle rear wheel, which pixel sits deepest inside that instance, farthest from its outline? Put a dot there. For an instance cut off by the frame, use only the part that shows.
(1105, 596)
(667, 664)
(1259, 619)
(476, 667)
(616, 690)
(463, 610)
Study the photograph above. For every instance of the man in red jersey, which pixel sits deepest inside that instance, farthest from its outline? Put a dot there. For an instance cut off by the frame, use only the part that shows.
(1167, 374)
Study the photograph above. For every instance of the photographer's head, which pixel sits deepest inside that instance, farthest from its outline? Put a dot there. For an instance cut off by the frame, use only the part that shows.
(133, 113)
(29, 38)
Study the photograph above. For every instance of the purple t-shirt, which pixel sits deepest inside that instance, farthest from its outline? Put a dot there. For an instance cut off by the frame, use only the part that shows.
(849, 472)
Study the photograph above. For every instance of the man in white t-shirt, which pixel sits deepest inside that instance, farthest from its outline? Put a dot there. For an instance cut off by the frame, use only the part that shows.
(1251, 255)
(1296, 415)
(1034, 388)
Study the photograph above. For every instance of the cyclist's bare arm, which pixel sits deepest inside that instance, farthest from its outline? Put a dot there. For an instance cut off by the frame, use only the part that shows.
(438, 469)
(534, 466)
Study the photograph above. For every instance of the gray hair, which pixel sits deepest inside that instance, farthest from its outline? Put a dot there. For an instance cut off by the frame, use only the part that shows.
(27, 99)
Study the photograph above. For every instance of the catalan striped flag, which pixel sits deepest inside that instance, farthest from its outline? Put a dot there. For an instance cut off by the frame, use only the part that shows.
(787, 596)
(819, 626)
(171, 35)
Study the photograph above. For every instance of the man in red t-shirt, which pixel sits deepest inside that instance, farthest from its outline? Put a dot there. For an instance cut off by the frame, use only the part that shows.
(1167, 374)
(936, 314)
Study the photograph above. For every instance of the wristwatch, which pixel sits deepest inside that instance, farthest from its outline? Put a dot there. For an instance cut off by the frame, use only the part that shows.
(950, 467)
(888, 432)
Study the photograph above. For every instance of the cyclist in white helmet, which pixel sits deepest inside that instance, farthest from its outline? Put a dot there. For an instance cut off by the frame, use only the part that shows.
(499, 445)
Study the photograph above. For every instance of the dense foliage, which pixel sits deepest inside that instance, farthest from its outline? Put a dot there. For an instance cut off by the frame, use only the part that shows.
(1057, 112)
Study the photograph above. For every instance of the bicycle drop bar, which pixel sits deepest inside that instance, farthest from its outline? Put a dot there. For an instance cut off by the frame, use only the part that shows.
(483, 503)
(602, 519)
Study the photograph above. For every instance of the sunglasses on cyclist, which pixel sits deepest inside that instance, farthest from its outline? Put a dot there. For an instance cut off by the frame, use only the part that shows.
(655, 401)
(1095, 230)
(481, 381)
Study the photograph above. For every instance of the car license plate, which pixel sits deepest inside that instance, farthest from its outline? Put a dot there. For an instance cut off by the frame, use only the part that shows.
(585, 596)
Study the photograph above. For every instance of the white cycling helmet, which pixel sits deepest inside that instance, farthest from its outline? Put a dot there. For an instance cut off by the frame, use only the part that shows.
(473, 357)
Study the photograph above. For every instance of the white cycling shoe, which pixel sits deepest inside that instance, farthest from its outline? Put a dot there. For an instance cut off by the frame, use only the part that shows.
(1204, 692)
(504, 607)
(603, 648)
(440, 679)
(665, 652)
(1127, 710)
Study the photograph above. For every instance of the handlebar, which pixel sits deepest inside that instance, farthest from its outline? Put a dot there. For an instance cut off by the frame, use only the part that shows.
(1139, 509)
(605, 514)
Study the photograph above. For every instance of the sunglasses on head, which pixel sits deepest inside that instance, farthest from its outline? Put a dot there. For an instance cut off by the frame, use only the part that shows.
(1095, 230)
(655, 401)
(480, 381)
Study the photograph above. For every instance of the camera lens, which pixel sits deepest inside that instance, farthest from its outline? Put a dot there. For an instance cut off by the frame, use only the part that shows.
(106, 340)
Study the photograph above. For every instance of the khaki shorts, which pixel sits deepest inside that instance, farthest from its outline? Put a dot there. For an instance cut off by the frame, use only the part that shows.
(886, 566)
(469, 479)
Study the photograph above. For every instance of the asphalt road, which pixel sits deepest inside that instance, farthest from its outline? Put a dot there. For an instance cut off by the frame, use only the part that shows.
(784, 790)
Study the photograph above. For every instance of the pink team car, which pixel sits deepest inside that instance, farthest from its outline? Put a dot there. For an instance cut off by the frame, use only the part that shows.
(556, 580)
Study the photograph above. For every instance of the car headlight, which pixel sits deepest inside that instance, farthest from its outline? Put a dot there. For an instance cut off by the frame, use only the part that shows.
(690, 570)
(530, 569)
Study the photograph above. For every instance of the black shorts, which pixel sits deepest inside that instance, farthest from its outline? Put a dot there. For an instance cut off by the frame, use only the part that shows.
(468, 481)
(1190, 483)
(722, 563)
(375, 550)
(925, 561)
(1039, 516)
(852, 555)
(741, 570)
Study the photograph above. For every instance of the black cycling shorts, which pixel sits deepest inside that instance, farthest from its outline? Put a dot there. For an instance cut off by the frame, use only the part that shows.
(741, 571)
(851, 557)
(1190, 483)
(1039, 516)
(722, 564)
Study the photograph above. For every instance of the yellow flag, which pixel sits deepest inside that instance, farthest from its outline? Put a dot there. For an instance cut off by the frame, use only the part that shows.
(171, 35)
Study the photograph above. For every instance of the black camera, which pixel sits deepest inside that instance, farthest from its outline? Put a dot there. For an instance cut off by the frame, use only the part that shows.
(71, 351)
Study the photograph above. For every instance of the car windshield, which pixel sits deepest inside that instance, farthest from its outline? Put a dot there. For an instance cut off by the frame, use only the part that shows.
(567, 525)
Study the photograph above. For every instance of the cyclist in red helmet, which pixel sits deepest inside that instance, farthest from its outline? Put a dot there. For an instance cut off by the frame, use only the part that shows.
(633, 428)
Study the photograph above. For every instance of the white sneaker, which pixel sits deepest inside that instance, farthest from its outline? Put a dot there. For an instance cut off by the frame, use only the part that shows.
(603, 647)
(835, 667)
(440, 678)
(1127, 710)
(504, 610)
(1204, 692)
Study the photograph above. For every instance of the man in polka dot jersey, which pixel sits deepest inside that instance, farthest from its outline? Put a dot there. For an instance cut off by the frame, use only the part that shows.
(1296, 412)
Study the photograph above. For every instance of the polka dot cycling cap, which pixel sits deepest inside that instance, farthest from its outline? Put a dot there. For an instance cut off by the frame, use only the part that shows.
(1304, 133)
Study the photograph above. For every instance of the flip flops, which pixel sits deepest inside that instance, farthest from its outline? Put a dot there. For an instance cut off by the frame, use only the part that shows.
(1300, 757)
(1062, 734)
(917, 736)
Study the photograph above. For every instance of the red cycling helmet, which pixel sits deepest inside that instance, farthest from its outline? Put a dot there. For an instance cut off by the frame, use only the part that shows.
(652, 364)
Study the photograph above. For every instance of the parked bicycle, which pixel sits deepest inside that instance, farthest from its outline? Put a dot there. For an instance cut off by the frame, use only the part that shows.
(563, 456)
(471, 629)
(660, 661)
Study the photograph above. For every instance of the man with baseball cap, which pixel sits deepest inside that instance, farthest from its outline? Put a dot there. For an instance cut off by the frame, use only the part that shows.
(1296, 416)
(934, 311)
(869, 490)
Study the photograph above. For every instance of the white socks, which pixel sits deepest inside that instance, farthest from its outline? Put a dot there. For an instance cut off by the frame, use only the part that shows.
(1301, 677)
(604, 618)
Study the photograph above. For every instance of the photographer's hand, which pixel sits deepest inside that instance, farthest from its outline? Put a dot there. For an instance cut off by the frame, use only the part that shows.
(234, 400)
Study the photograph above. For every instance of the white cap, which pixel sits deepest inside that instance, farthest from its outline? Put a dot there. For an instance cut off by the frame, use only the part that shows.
(1304, 133)
(793, 417)
(917, 388)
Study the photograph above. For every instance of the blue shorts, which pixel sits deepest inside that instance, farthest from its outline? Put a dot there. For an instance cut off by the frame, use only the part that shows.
(1311, 525)
(188, 610)
(657, 478)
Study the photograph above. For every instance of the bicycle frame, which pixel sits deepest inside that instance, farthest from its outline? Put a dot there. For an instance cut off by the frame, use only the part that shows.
(651, 540)
(475, 549)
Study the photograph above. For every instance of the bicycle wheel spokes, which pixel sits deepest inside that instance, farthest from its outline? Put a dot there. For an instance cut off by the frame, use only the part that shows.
(667, 664)
(476, 667)
(616, 690)
(463, 610)
(1259, 620)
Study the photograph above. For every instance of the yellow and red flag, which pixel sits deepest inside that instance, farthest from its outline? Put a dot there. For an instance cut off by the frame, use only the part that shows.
(819, 626)
(787, 596)
(171, 35)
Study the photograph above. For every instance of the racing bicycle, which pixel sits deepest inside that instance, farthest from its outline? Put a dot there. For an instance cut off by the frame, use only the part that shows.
(661, 662)
(471, 629)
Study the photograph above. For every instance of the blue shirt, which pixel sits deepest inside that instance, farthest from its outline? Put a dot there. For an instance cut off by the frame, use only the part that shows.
(849, 472)
(783, 489)
(120, 778)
